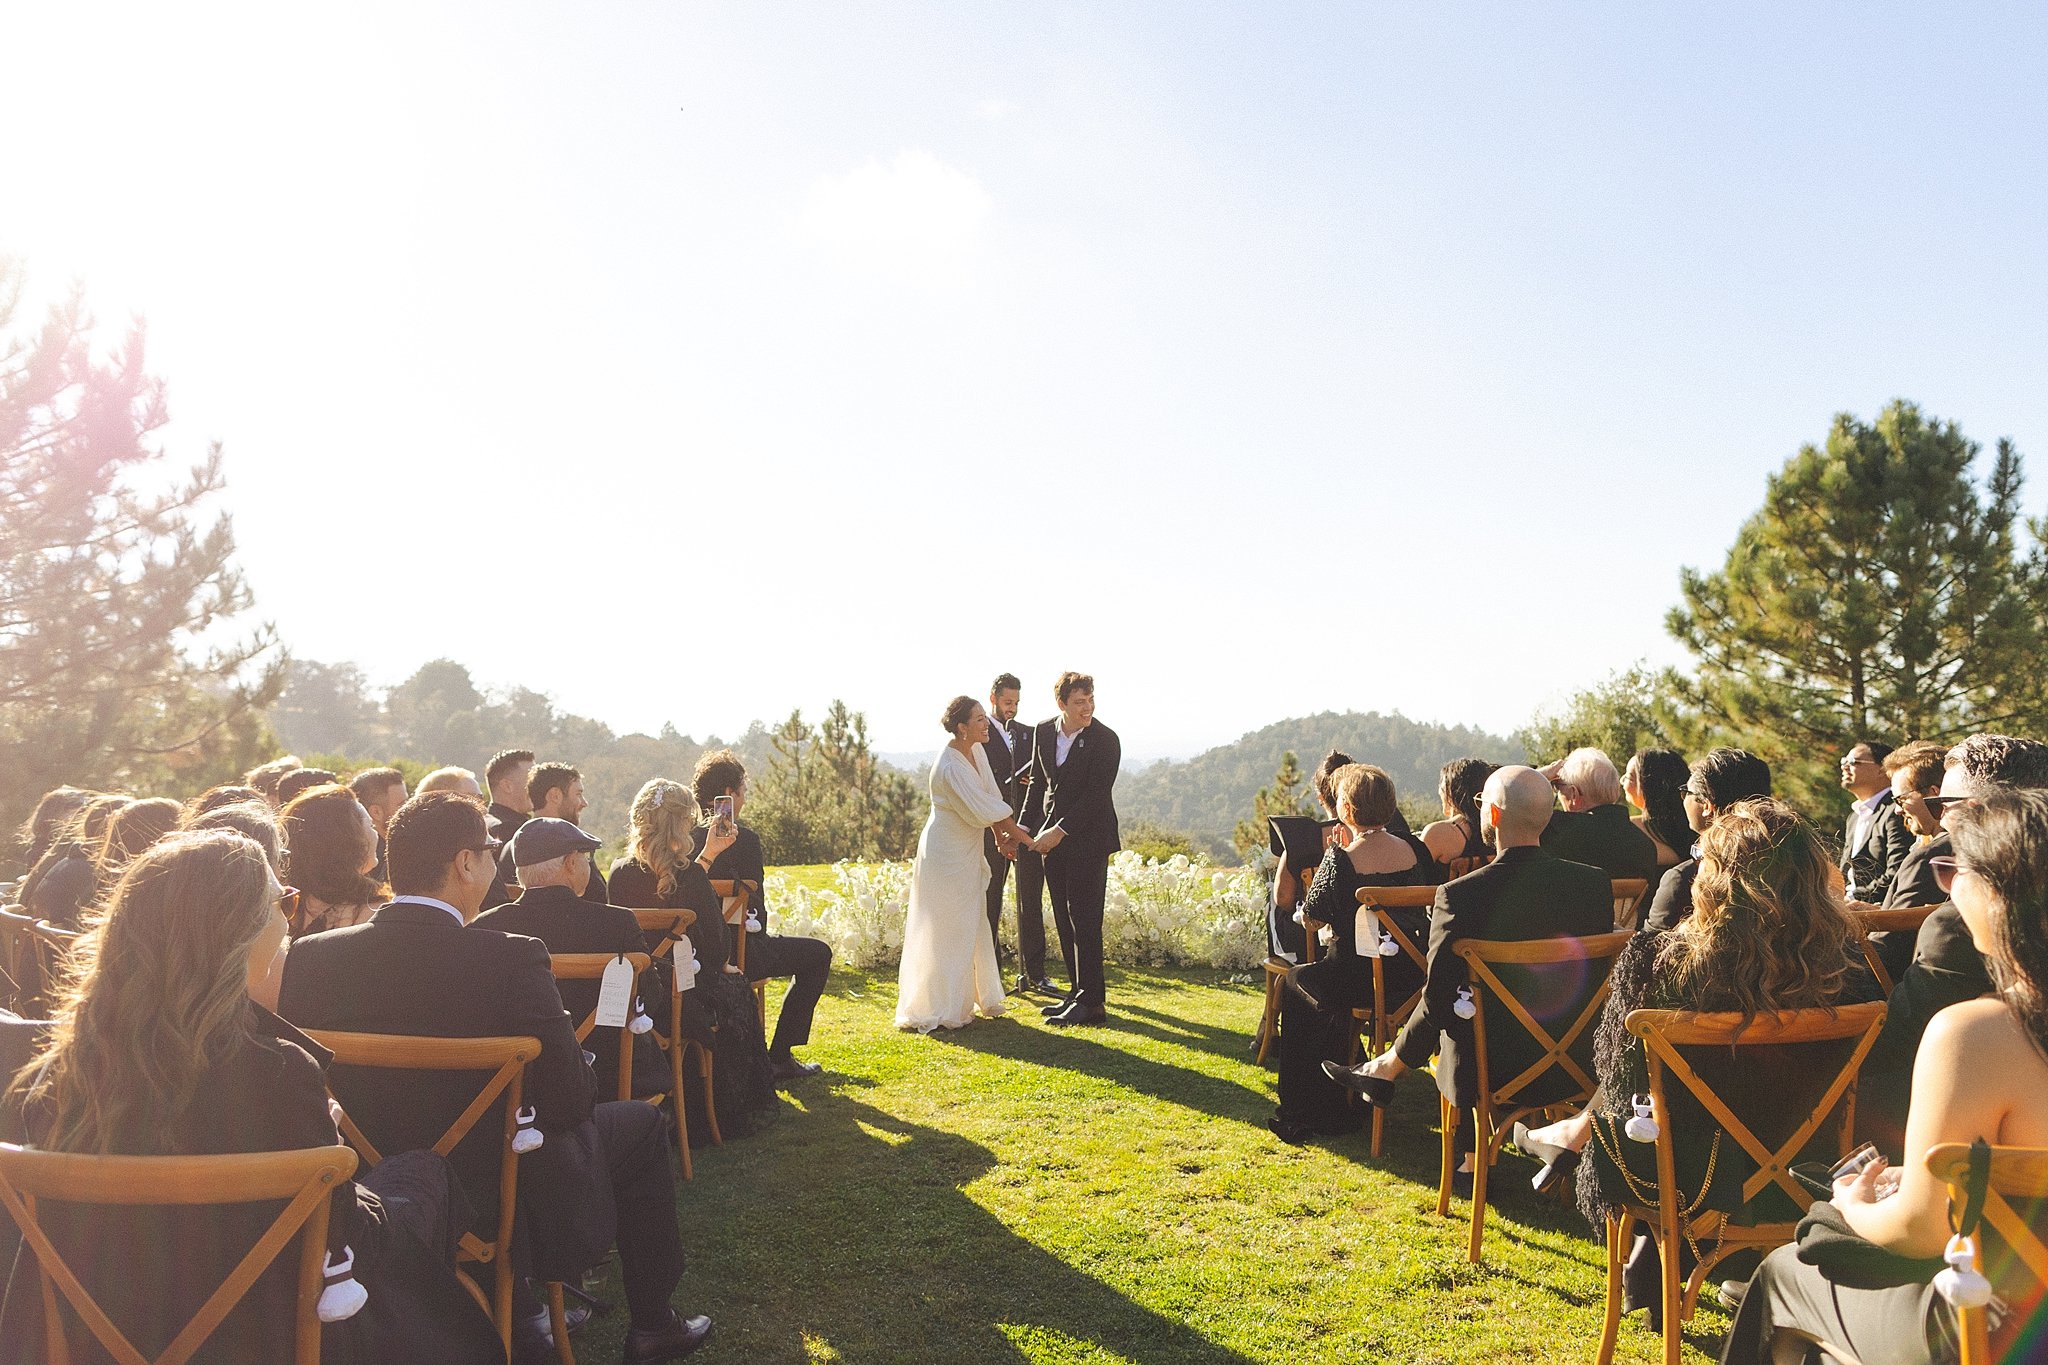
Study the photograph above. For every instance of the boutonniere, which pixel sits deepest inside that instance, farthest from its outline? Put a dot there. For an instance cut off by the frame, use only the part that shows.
(1080, 742)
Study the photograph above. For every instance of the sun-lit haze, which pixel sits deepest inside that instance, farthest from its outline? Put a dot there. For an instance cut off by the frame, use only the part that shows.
(691, 362)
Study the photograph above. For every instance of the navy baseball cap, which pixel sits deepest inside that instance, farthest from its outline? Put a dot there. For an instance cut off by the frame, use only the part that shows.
(543, 839)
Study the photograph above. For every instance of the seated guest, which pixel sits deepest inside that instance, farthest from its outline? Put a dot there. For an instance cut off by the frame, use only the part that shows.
(1654, 783)
(1594, 827)
(167, 1046)
(659, 872)
(1315, 1013)
(130, 830)
(303, 780)
(1946, 968)
(556, 793)
(213, 798)
(253, 820)
(806, 960)
(382, 792)
(1874, 841)
(553, 858)
(1526, 892)
(461, 781)
(1284, 936)
(505, 776)
(1718, 781)
(417, 967)
(1767, 933)
(1914, 771)
(61, 885)
(330, 852)
(40, 832)
(1981, 1072)
(265, 777)
(1460, 834)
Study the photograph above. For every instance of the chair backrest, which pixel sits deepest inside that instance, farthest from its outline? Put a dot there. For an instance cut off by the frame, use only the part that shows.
(1378, 899)
(2020, 1172)
(1906, 920)
(1786, 1106)
(592, 967)
(303, 1178)
(1537, 1002)
(22, 987)
(736, 895)
(1628, 900)
(671, 925)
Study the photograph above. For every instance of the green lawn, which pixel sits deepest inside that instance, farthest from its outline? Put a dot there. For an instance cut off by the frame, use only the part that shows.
(1010, 1192)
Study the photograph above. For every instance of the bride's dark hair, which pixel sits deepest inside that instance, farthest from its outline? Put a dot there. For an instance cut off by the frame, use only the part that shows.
(957, 712)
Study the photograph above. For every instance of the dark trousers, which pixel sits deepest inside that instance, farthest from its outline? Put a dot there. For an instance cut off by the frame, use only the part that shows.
(1030, 906)
(629, 1152)
(1079, 883)
(808, 962)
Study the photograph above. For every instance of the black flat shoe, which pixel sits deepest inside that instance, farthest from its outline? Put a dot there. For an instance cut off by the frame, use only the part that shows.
(1079, 1014)
(790, 1069)
(1556, 1171)
(1289, 1132)
(680, 1338)
(1377, 1091)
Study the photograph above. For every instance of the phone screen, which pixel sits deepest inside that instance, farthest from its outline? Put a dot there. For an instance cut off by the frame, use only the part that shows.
(721, 809)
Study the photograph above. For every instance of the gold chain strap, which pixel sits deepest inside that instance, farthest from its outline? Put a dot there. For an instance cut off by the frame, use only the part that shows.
(1647, 1197)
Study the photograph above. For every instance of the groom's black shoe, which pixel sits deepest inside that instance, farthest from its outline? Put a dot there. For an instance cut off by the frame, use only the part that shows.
(1058, 1006)
(1079, 1013)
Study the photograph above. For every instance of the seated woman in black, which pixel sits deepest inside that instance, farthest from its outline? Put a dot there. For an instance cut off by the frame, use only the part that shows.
(1284, 934)
(1654, 783)
(658, 873)
(167, 1046)
(1315, 1010)
(1457, 838)
(60, 885)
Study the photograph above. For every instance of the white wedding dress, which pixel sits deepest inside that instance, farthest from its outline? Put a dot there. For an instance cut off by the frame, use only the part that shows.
(949, 971)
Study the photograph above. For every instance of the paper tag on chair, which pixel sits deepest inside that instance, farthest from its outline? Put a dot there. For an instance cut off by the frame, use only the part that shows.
(615, 996)
(685, 974)
(1365, 937)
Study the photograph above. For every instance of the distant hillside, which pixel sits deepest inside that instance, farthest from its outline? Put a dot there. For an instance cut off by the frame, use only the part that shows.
(1208, 794)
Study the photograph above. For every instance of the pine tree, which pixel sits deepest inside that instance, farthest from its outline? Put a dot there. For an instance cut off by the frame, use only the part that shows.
(1282, 797)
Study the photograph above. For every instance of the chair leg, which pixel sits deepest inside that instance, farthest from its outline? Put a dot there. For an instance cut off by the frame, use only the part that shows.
(1274, 985)
(1617, 1238)
(558, 1323)
(1674, 1295)
(1482, 1166)
(705, 1058)
(682, 1108)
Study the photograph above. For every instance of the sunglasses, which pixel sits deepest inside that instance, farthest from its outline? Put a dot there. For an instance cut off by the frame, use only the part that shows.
(1938, 804)
(1945, 870)
(490, 846)
(288, 902)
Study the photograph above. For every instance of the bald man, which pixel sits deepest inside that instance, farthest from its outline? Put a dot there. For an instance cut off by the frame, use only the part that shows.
(1524, 893)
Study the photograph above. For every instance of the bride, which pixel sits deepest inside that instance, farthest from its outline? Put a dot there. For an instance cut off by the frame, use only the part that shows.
(949, 971)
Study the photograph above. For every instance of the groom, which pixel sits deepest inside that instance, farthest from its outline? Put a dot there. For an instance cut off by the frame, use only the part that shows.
(1074, 762)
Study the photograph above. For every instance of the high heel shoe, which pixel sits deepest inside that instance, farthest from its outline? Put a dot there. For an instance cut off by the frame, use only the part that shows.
(1556, 1171)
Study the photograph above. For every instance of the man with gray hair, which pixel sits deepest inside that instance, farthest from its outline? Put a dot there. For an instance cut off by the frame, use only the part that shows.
(1526, 892)
(1947, 968)
(1594, 828)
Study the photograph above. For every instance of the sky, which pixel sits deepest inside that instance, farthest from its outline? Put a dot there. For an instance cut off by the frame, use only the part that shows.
(693, 362)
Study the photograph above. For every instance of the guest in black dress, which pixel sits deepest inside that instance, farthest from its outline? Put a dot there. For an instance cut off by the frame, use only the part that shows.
(1315, 1010)
(1457, 842)
(1290, 878)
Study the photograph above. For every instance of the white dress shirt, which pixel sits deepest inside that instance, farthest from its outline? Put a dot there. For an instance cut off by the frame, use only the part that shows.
(429, 900)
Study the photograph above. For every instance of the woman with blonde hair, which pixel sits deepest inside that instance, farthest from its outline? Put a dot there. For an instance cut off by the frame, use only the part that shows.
(132, 829)
(330, 849)
(659, 872)
(165, 1044)
(60, 885)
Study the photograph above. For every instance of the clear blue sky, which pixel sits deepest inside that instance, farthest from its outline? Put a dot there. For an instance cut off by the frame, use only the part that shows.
(1032, 336)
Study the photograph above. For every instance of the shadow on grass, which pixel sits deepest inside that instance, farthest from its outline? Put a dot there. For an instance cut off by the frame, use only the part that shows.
(1079, 1050)
(876, 1252)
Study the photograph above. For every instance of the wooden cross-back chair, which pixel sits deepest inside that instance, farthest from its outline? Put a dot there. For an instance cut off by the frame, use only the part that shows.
(670, 926)
(2015, 1171)
(1664, 1034)
(505, 1059)
(49, 946)
(736, 895)
(1459, 867)
(591, 967)
(21, 991)
(1906, 920)
(1628, 901)
(1277, 968)
(1561, 1072)
(1383, 1021)
(304, 1179)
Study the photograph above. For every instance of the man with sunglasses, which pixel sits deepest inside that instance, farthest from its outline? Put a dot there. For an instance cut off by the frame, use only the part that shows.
(602, 1173)
(1874, 840)
(1946, 968)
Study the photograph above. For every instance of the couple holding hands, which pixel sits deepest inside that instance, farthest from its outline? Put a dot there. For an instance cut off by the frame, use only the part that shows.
(949, 972)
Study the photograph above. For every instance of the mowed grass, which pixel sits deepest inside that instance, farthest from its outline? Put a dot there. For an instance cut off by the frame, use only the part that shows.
(1011, 1192)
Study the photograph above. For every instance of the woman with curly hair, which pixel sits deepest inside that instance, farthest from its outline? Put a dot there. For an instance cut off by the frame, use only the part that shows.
(330, 848)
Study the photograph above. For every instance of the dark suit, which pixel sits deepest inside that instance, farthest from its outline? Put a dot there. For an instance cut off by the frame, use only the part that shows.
(1524, 893)
(1946, 970)
(1009, 761)
(1871, 860)
(1603, 837)
(567, 923)
(1673, 901)
(603, 1172)
(1912, 886)
(806, 961)
(1078, 798)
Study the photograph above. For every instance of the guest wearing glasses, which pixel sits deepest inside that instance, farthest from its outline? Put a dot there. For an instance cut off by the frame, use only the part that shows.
(1718, 781)
(1875, 840)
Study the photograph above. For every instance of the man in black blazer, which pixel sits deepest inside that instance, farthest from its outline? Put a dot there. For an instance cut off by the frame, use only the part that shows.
(1594, 828)
(1075, 758)
(553, 858)
(1524, 893)
(1717, 781)
(1915, 771)
(1008, 747)
(602, 1173)
(505, 779)
(1874, 838)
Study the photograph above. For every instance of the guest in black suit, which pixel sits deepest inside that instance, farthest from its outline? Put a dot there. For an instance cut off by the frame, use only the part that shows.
(1915, 772)
(1008, 747)
(505, 777)
(603, 1171)
(1720, 779)
(1594, 827)
(1524, 893)
(1874, 840)
(806, 961)
(555, 790)
(553, 858)
(1076, 759)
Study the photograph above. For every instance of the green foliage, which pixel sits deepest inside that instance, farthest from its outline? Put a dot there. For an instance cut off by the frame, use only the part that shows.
(824, 796)
(1618, 716)
(116, 589)
(1879, 591)
(1150, 839)
(1285, 795)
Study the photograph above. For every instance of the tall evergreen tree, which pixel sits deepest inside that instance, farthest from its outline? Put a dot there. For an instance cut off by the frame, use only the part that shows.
(1879, 591)
(1284, 795)
(117, 590)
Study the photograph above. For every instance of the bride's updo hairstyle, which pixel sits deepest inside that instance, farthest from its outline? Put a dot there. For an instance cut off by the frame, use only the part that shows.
(958, 712)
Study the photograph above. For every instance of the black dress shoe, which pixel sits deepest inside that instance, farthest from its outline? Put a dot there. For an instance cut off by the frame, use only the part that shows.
(1044, 986)
(1078, 1013)
(673, 1342)
(1058, 1006)
(1288, 1131)
(790, 1069)
(1378, 1091)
